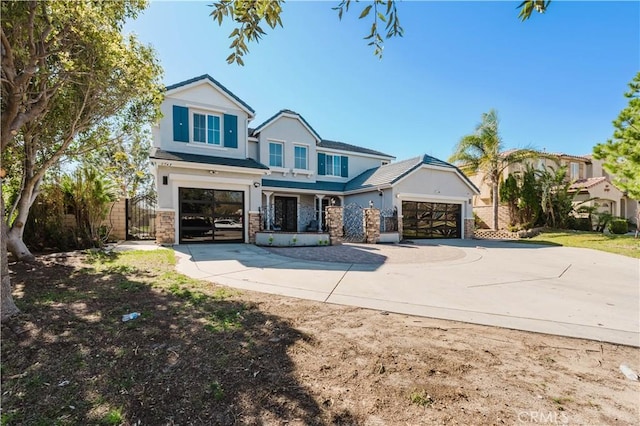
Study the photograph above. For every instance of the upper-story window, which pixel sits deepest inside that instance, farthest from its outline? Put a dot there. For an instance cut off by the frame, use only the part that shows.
(333, 165)
(206, 128)
(300, 154)
(575, 171)
(275, 154)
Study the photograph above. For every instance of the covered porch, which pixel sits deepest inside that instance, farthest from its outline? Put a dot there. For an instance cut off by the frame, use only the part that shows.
(293, 217)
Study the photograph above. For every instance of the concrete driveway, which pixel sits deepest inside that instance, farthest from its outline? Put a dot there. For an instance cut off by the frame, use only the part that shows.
(557, 290)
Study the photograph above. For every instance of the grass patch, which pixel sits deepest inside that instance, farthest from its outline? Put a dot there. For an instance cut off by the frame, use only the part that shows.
(113, 417)
(625, 245)
(216, 390)
(421, 398)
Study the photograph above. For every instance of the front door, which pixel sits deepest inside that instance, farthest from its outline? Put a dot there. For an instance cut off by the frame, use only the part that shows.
(286, 214)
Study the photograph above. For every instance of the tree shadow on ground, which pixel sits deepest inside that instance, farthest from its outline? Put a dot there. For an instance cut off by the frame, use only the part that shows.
(197, 355)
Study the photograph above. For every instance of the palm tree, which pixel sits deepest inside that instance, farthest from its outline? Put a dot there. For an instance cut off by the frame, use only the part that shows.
(481, 152)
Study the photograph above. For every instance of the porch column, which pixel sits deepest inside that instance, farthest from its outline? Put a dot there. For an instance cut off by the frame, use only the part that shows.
(267, 213)
(319, 197)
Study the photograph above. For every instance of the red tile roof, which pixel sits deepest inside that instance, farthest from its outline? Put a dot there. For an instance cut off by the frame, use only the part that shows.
(587, 183)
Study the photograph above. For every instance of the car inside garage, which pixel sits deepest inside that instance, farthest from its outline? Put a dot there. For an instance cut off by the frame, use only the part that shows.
(211, 215)
(422, 220)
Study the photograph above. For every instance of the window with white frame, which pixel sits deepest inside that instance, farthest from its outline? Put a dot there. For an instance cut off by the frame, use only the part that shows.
(206, 128)
(275, 154)
(300, 157)
(575, 171)
(333, 166)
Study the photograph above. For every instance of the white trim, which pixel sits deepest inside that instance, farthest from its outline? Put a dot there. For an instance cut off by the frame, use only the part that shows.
(276, 142)
(288, 115)
(369, 189)
(203, 166)
(179, 177)
(464, 205)
(302, 191)
(207, 108)
(306, 146)
(204, 182)
(205, 80)
(430, 197)
(307, 172)
(164, 209)
(347, 153)
(192, 130)
(442, 169)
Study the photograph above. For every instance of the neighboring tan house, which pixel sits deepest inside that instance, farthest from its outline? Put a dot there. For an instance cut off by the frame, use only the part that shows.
(219, 180)
(588, 178)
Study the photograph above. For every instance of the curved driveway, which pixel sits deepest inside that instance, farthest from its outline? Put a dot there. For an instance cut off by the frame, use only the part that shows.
(558, 290)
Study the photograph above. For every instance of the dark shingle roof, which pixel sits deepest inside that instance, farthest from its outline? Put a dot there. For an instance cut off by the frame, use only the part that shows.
(214, 81)
(391, 173)
(351, 148)
(317, 186)
(276, 115)
(207, 159)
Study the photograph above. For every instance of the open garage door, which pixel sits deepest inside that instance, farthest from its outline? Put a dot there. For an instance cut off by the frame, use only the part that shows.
(431, 220)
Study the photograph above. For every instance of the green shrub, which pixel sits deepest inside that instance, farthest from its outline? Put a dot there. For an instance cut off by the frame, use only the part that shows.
(580, 224)
(618, 226)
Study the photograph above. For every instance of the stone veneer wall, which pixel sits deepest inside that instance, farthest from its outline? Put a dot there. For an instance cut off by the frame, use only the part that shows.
(254, 226)
(371, 225)
(469, 228)
(165, 227)
(333, 220)
(400, 229)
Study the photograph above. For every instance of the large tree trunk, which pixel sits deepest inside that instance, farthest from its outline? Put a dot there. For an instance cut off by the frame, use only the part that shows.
(494, 190)
(14, 241)
(7, 306)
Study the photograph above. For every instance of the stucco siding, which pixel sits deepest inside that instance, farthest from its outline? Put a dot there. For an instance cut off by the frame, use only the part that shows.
(290, 132)
(204, 99)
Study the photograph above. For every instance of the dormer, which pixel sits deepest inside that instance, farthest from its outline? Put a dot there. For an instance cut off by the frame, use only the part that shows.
(201, 116)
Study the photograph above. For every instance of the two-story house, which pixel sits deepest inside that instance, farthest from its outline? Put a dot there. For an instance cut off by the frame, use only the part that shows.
(589, 182)
(219, 180)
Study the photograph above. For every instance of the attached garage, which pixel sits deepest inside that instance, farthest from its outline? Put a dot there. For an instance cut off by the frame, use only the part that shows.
(211, 215)
(431, 220)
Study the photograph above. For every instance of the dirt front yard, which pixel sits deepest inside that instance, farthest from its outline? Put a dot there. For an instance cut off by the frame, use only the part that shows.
(207, 354)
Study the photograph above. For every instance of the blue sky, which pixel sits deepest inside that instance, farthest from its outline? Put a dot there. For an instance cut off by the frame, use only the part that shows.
(557, 80)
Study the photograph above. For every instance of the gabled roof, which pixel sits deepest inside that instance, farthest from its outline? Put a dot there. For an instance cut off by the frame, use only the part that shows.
(393, 172)
(316, 186)
(282, 112)
(216, 83)
(351, 148)
(248, 163)
(587, 183)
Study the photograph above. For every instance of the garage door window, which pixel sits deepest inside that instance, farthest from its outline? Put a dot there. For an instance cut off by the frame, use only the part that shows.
(430, 220)
(211, 215)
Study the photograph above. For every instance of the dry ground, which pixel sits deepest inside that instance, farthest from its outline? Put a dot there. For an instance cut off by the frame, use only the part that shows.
(206, 354)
